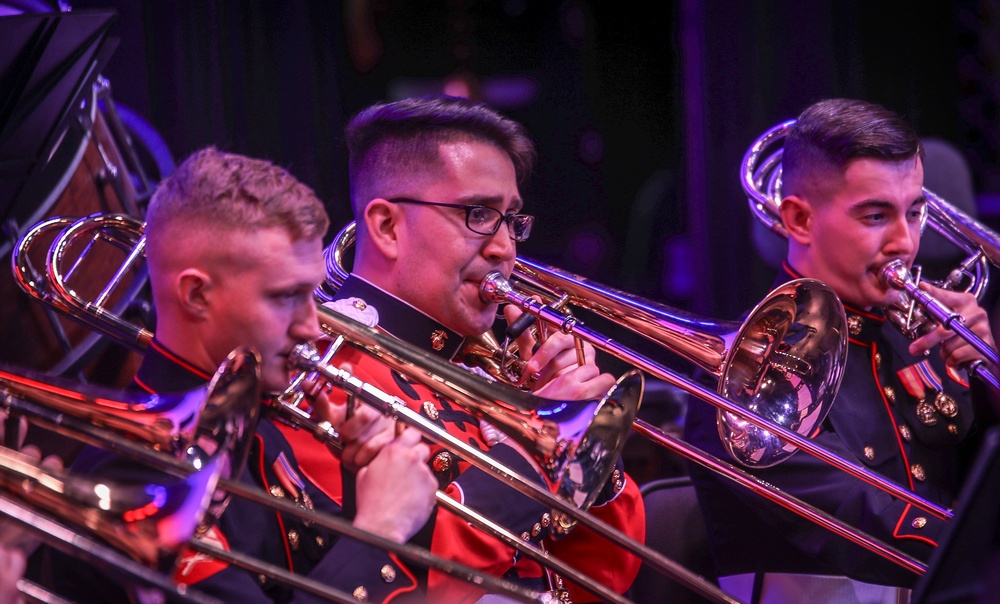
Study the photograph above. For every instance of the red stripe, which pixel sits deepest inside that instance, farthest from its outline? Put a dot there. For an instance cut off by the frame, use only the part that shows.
(899, 523)
(892, 420)
(176, 359)
(143, 385)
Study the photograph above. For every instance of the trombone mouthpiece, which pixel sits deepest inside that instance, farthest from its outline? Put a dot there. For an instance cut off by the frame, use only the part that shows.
(304, 357)
(894, 274)
(494, 288)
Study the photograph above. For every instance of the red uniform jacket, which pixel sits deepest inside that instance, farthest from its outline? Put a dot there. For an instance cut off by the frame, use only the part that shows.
(620, 504)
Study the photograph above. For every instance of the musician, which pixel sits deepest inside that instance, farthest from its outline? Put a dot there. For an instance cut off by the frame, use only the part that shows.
(234, 250)
(434, 190)
(852, 202)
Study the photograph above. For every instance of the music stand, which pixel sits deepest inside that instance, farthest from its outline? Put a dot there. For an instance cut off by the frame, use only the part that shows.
(958, 567)
(48, 65)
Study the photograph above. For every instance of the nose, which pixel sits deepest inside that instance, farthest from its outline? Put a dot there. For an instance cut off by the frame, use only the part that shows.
(902, 239)
(305, 326)
(499, 246)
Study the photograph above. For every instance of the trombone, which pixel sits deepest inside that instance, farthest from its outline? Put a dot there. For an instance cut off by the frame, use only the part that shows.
(914, 312)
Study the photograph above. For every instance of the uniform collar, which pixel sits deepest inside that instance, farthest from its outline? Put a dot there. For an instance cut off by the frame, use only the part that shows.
(862, 325)
(162, 370)
(400, 319)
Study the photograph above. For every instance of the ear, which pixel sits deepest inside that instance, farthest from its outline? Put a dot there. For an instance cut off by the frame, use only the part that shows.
(382, 222)
(194, 288)
(797, 217)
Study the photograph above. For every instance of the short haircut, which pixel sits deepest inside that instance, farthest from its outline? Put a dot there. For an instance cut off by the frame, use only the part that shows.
(391, 143)
(223, 192)
(831, 133)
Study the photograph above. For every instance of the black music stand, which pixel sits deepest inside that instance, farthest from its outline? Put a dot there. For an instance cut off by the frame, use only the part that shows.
(48, 64)
(970, 548)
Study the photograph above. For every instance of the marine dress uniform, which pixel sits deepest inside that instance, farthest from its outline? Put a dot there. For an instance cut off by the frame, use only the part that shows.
(901, 416)
(619, 504)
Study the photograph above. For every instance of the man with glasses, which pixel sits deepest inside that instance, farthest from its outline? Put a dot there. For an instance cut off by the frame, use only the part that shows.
(435, 195)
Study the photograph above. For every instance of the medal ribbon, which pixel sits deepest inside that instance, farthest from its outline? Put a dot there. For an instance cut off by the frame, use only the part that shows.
(918, 376)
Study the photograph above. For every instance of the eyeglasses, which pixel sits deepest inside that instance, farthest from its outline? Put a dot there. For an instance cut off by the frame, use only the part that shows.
(483, 220)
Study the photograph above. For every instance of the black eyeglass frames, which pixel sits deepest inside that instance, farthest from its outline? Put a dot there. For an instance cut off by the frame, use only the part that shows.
(483, 220)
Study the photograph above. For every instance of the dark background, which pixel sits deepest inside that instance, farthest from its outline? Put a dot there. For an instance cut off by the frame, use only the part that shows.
(641, 116)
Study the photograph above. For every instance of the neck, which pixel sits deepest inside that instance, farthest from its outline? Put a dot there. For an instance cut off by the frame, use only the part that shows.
(183, 339)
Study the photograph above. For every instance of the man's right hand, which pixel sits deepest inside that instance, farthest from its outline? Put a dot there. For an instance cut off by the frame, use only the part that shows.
(363, 430)
(396, 492)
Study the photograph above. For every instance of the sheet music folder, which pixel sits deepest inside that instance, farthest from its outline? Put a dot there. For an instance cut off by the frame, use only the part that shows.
(48, 65)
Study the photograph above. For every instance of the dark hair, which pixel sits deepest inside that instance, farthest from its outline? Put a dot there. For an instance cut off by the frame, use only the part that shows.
(225, 191)
(390, 141)
(832, 132)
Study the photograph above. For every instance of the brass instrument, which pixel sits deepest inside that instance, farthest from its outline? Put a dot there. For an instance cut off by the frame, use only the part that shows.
(914, 312)
(537, 445)
(204, 432)
(510, 410)
(51, 286)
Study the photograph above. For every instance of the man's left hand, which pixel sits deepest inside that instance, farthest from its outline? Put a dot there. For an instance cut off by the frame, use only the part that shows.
(954, 349)
(556, 364)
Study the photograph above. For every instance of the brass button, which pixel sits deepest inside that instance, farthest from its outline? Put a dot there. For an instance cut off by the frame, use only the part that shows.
(854, 324)
(359, 304)
(890, 393)
(360, 593)
(277, 491)
(878, 360)
(926, 414)
(293, 539)
(919, 522)
(388, 573)
(918, 472)
(430, 410)
(442, 462)
(945, 405)
(320, 541)
(904, 431)
(546, 520)
(870, 453)
(953, 429)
